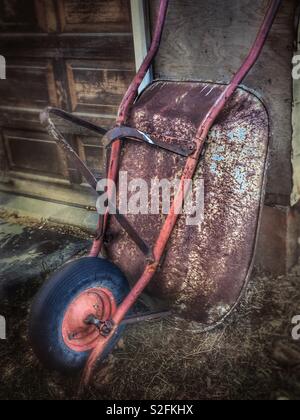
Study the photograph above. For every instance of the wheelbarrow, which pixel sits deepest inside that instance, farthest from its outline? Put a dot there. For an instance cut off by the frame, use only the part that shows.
(208, 131)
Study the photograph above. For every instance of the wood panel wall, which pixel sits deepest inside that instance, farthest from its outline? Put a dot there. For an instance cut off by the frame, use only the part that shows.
(73, 54)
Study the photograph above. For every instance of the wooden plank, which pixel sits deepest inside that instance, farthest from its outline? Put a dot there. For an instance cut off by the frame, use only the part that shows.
(46, 15)
(34, 152)
(93, 154)
(29, 84)
(113, 47)
(95, 87)
(33, 16)
(18, 16)
(207, 40)
(94, 16)
(29, 120)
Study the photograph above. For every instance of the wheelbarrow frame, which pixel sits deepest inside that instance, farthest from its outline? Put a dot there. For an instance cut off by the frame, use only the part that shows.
(114, 139)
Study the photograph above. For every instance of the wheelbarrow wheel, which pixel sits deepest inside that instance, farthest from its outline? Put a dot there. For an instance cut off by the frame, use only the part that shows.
(58, 331)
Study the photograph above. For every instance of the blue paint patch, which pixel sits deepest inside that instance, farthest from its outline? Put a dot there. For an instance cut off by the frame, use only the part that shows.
(231, 136)
(242, 134)
(218, 158)
(214, 168)
(239, 135)
(240, 177)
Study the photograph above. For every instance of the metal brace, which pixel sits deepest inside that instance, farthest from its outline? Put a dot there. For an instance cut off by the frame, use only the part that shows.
(128, 133)
(85, 171)
(105, 327)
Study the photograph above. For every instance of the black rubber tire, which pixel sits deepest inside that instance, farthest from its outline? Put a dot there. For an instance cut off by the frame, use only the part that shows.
(52, 301)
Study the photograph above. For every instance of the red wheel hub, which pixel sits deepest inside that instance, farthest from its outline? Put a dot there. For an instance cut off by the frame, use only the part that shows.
(77, 335)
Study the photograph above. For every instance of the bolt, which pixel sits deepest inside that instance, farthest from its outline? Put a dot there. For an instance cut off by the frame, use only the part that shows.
(92, 320)
(107, 328)
(72, 336)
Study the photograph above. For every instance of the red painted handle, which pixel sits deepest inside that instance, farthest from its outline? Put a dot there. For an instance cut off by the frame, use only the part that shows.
(132, 91)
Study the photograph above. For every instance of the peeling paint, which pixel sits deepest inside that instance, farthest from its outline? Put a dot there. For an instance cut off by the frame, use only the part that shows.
(239, 134)
(241, 178)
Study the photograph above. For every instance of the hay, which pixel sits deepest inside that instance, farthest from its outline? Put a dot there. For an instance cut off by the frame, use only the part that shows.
(251, 356)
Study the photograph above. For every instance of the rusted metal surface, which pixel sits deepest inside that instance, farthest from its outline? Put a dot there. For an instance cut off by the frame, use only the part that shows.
(132, 233)
(205, 269)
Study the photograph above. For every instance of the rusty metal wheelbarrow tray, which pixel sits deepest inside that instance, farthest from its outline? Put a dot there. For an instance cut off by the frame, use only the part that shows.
(206, 267)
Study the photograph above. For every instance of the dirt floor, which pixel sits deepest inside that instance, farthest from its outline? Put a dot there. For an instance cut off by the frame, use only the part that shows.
(252, 356)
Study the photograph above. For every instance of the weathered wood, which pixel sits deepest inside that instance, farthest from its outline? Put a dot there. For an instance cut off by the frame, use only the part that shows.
(92, 153)
(29, 84)
(34, 152)
(96, 88)
(94, 15)
(113, 47)
(207, 40)
(73, 54)
(46, 15)
(278, 248)
(29, 120)
(18, 16)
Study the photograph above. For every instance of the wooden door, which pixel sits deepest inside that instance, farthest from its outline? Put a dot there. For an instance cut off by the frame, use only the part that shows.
(73, 54)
